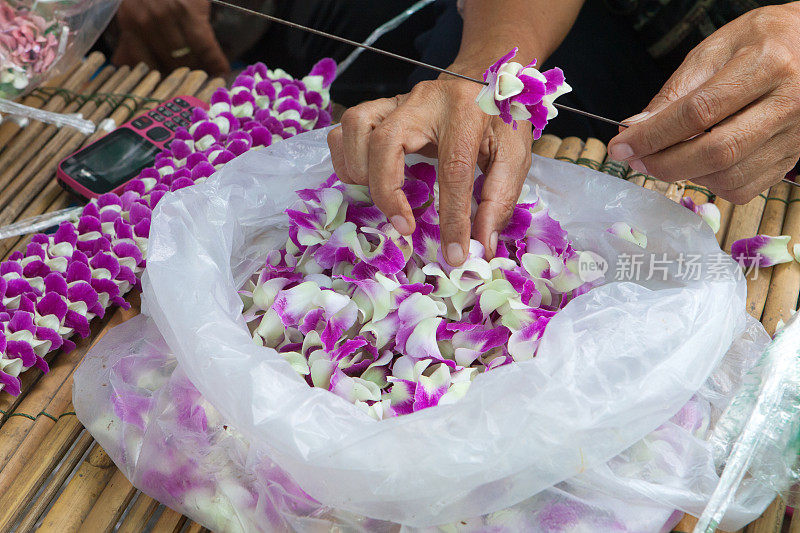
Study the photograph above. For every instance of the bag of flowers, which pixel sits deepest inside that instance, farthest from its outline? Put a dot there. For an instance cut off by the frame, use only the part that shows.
(301, 366)
(40, 39)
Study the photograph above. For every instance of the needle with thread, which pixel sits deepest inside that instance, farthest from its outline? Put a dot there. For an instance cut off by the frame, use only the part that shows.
(412, 61)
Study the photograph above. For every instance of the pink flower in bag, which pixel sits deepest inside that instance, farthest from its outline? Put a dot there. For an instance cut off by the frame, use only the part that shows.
(25, 41)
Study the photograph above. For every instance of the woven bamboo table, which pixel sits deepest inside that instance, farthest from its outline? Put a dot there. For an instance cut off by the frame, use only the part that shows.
(53, 476)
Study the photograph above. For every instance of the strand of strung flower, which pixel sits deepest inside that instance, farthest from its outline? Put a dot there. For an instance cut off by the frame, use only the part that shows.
(383, 321)
(61, 282)
(516, 92)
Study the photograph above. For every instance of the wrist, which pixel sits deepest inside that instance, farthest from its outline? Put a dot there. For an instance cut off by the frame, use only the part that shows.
(473, 61)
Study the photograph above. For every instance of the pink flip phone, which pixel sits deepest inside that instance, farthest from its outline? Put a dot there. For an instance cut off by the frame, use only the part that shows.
(110, 162)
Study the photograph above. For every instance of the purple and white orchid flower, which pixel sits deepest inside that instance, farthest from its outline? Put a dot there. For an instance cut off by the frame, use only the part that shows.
(382, 320)
(516, 92)
(707, 211)
(762, 251)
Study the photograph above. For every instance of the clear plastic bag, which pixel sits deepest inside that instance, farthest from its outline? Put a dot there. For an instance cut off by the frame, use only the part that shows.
(40, 39)
(605, 428)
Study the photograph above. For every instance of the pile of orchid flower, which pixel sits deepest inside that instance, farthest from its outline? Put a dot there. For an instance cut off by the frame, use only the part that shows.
(515, 92)
(29, 46)
(382, 320)
(62, 281)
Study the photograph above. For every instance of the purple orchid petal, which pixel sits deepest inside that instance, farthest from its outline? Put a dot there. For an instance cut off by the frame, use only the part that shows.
(326, 68)
(762, 251)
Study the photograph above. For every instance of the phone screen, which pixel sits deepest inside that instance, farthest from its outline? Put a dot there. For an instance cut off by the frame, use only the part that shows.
(110, 162)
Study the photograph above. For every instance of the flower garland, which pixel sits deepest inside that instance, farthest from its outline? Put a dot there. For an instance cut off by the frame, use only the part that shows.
(515, 92)
(61, 282)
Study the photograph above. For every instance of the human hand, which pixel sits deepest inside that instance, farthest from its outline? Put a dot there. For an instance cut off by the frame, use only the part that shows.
(167, 34)
(436, 118)
(729, 118)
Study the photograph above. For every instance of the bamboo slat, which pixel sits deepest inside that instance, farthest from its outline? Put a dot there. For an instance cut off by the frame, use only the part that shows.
(686, 525)
(771, 224)
(80, 494)
(169, 522)
(771, 518)
(140, 513)
(784, 286)
(110, 505)
(616, 168)
(35, 473)
(211, 86)
(637, 178)
(593, 154)
(673, 191)
(745, 221)
(9, 129)
(699, 195)
(31, 516)
(35, 134)
(725, 212)
(795, 525)
(194, 527)
(570, 149)
(167, 87)
(123, 112)
(547, 146)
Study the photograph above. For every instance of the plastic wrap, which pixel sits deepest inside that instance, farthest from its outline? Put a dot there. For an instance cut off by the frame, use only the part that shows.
(757, 440)
(605, 428)
(40, 39)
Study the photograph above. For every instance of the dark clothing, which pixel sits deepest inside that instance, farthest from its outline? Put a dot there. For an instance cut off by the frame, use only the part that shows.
(671, 28)
(370, 76)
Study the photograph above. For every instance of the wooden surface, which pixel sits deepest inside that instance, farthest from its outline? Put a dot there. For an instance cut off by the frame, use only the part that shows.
(53, 477)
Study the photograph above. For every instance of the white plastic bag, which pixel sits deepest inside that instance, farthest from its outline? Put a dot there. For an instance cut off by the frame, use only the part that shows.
(612, 368)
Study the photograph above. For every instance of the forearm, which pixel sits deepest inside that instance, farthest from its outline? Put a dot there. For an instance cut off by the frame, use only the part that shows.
(493, 27)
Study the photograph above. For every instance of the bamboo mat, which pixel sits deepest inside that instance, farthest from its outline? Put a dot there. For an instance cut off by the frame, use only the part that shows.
(53, 476)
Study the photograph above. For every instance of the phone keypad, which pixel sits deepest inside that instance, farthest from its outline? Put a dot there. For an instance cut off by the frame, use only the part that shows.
(165, 119)
(158, 134)
(141, 123)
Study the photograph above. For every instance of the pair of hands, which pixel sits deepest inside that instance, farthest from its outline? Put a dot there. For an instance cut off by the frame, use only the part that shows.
(728, 119)
(167, 34)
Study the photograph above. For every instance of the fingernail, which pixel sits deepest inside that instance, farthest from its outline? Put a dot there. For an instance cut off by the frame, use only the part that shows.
(401, 224)
(638, 166)
(637, 118)
(455, 254)
(493, 242)
(620, 152)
